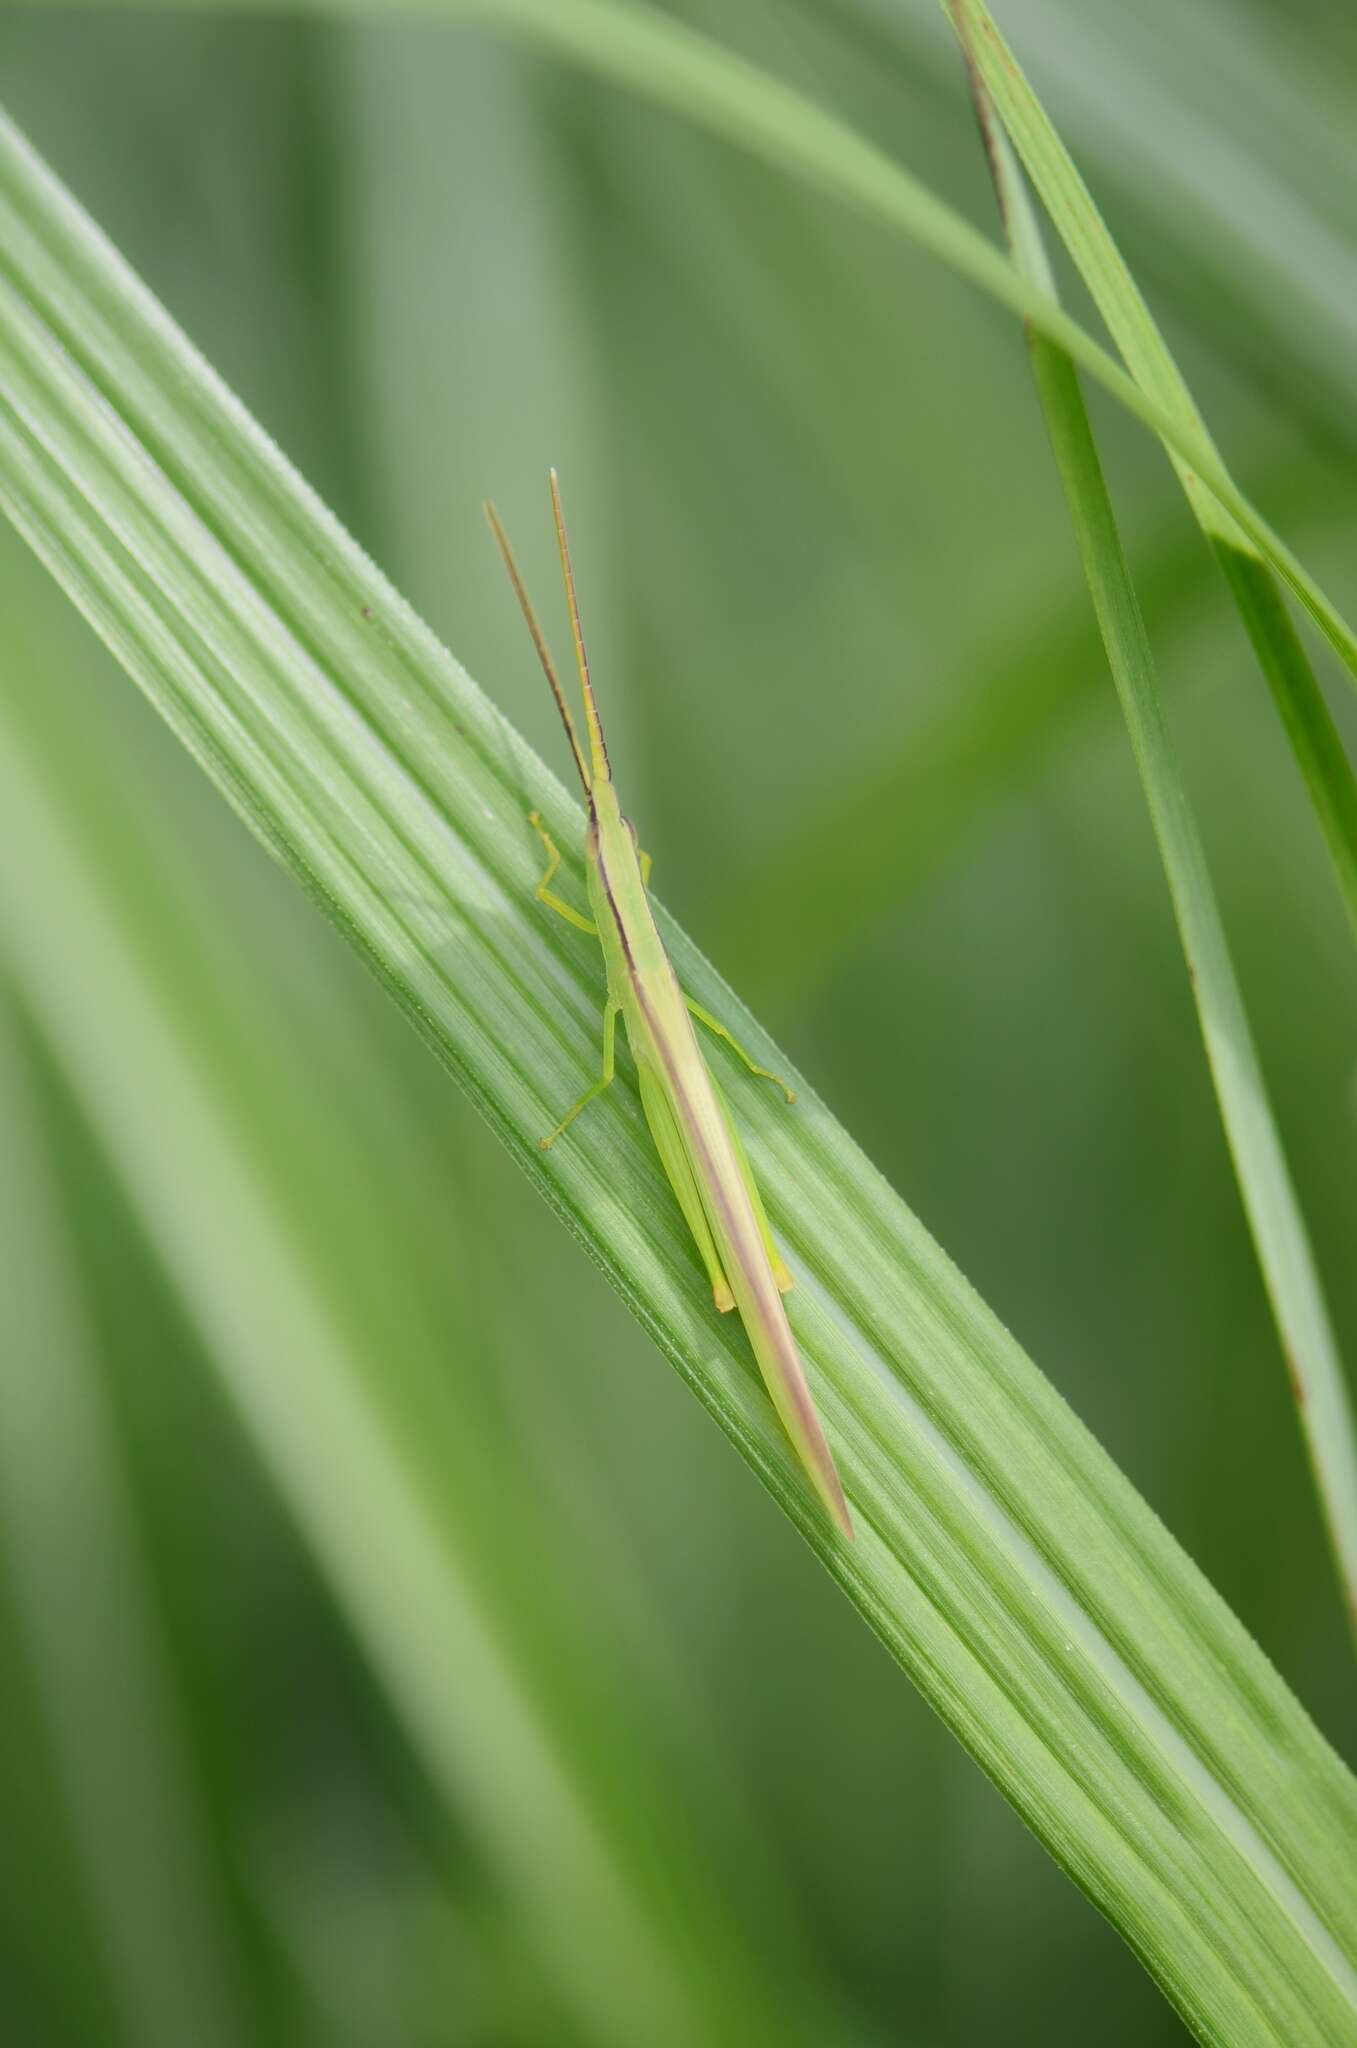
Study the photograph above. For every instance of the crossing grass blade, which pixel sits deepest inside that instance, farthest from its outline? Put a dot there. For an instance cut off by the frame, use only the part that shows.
(1314, 738)
(1279, 1232)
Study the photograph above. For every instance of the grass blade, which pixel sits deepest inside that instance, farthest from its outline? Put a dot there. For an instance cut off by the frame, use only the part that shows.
(1308, 723)
(1002, 1557)
(1227, 137)
(1278, 1228)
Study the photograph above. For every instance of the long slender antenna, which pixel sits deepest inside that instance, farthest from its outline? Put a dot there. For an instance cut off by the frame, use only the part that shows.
(597, 745)
(539, 642)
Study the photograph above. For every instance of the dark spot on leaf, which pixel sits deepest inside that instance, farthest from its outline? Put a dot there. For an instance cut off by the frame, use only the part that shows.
(1297, 1384)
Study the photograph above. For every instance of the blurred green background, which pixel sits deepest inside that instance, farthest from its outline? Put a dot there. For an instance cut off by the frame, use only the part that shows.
(857, 699)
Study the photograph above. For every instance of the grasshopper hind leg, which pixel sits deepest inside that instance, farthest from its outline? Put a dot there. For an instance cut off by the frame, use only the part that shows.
(680, 1176)
(718, 1030)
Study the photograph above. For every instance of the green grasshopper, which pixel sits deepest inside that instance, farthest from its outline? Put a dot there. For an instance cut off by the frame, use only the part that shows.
(694, 1134)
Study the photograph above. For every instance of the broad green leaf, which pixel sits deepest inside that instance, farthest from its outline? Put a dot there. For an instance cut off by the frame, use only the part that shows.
(1007, 1564)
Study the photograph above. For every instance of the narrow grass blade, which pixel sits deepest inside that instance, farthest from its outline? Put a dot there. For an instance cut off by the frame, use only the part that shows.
(1001, 1556)
(1226, 135)
(1320, 755)
(1275, 1219)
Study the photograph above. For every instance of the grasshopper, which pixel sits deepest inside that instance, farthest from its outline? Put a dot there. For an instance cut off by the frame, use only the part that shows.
(689, 1120)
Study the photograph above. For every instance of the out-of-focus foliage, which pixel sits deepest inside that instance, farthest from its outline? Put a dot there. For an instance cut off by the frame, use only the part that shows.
(830, 578)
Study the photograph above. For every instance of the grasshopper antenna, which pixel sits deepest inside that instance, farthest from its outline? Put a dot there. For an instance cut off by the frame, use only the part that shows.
(602, 767)
(539, 641)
